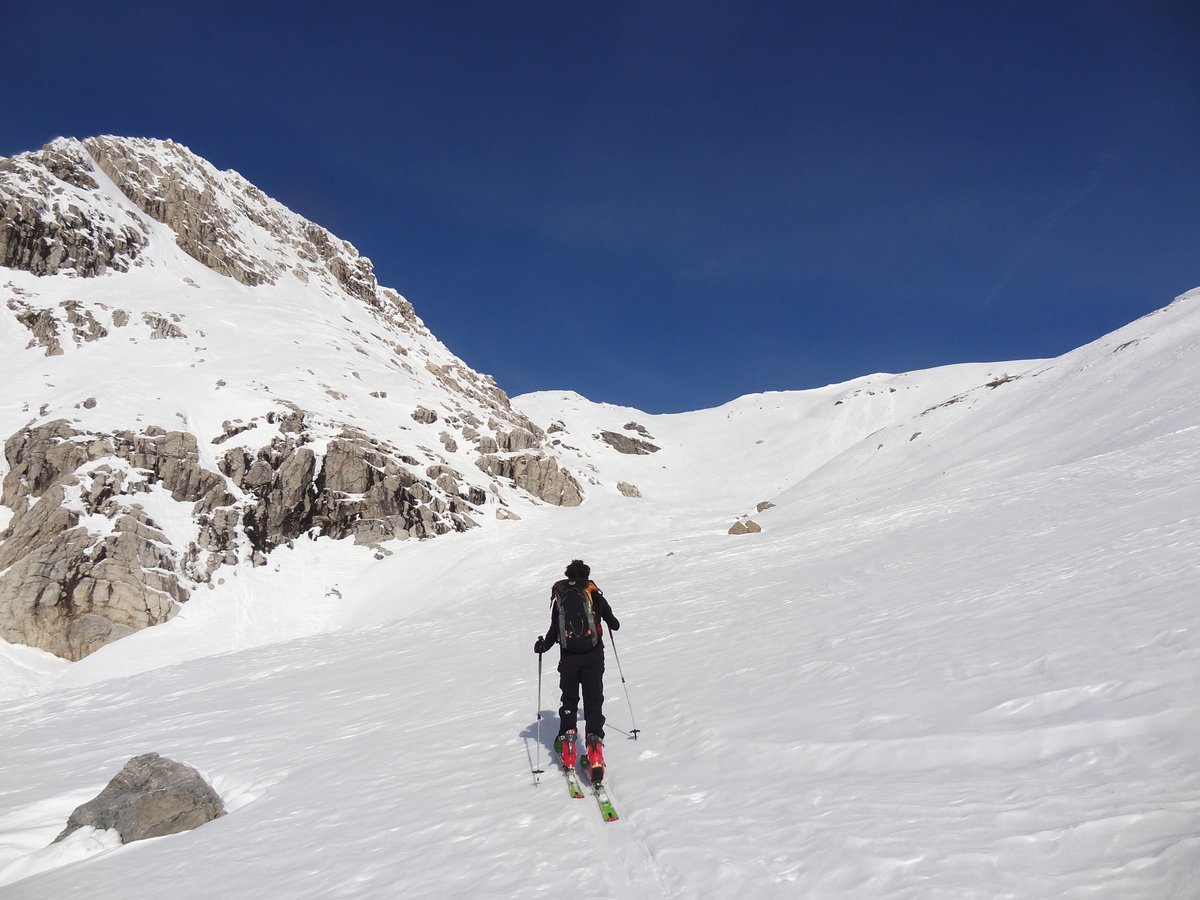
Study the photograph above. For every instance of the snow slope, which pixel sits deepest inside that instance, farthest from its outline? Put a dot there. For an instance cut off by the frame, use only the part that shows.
(962, 660)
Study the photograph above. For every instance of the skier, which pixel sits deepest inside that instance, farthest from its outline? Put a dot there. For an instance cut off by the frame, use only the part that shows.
(577, 607)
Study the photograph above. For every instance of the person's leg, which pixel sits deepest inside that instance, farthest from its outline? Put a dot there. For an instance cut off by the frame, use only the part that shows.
(568, 683)
(568, 710)
(591, 676)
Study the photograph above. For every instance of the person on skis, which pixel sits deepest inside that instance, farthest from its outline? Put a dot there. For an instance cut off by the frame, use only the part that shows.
(577, 611)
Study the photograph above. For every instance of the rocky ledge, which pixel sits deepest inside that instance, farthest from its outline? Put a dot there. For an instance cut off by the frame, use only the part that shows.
(83, 562)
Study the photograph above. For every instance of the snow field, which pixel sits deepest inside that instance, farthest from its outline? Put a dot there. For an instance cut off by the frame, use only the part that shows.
(982, 694)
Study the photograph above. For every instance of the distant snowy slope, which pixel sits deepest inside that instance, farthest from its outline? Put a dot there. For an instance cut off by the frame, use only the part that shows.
(749, 450)
(1125, 391)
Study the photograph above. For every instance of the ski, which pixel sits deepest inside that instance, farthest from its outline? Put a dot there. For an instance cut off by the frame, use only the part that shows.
(574, 786)
(600, 792)
(595, 779)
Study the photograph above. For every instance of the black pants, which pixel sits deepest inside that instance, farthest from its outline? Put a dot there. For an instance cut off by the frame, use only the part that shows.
(584, 670)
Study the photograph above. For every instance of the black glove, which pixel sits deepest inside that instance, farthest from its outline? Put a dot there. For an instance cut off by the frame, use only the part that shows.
(539, 646)
(614, 625)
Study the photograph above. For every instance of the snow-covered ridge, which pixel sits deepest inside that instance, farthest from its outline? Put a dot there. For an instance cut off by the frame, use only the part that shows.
(753, 448)
(218, 218)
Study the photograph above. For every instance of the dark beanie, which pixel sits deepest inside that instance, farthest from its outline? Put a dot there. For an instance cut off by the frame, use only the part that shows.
(578, 570)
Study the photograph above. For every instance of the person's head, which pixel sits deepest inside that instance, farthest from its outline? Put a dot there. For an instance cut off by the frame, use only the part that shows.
(578, 570)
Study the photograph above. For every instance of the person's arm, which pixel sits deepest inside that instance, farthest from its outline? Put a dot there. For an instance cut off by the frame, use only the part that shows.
(600, 602)
(551, 637)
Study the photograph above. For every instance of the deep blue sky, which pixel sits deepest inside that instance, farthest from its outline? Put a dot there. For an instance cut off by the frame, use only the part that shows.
(669, 204)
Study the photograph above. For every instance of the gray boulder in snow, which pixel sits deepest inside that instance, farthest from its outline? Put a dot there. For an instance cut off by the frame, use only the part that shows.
(150, 797)
(747, 527)
(623, 443)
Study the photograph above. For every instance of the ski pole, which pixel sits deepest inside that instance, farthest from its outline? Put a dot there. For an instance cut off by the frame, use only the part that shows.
(538, 770)
(633, 731)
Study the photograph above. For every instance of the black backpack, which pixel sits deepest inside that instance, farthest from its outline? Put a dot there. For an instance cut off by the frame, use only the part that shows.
(578, 628)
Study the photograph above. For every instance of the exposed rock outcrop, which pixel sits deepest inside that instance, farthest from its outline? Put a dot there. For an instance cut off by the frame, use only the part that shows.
(76, 591)
(360, 488)
(47, 326)
(539, 475)
(623, 443)
(749, 526)
(82, 563)
(43, 325)
(166, 182)
(162, 328)
(479, 388)
(150, 797)
(48, 222)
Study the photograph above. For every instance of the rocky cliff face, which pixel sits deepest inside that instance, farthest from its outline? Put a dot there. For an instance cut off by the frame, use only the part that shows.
(182, 348)
(51, 223)
(223, 221)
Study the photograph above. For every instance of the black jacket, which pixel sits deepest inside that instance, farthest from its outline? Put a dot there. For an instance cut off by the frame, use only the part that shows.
(599, 606)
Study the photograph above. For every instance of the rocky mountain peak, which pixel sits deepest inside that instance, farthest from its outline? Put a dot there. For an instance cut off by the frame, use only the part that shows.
(63, 214)
(184, 349)
(54, 219)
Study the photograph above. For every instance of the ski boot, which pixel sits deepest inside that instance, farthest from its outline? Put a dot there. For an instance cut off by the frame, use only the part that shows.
(564, 746)
(594, 758)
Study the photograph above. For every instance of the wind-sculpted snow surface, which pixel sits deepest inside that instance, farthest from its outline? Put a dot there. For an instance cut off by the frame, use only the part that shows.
(958, 665)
